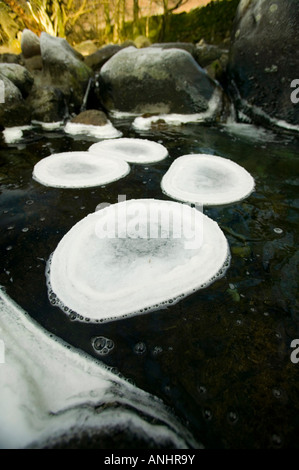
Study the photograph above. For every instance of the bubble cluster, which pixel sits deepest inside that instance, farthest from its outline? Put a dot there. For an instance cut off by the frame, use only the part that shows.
(102, 345)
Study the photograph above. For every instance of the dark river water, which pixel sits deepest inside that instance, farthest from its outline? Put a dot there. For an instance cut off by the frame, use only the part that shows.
(220, 358)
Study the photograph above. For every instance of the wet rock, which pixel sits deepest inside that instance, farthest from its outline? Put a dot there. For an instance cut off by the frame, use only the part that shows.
(154, 80)
(47, 104)
(14, 111)
(100, 57)
(63, 68)
(92, 117)
(19, 76)
(264, 59)
(30, 44)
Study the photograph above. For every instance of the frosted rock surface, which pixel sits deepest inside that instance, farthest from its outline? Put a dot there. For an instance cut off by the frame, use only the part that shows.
(78, 170)
(132, 150)
(207, 179)
(135, 256)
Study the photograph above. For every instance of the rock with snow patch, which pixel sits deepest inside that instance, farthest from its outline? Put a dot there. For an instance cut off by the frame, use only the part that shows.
(92, 117)
(154, 80)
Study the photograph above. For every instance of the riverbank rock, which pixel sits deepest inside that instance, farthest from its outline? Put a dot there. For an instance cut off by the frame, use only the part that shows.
(155, 80)
(9, 58)
(101, 56)
(48, 104)
(264, 59)
(30, 44)
(19, 76)
(14, 111)
(205, 53)
(91, 117)
(63, 68)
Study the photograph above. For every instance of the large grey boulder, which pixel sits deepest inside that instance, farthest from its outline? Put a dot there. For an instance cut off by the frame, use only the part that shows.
(155, 80)
(19, 76)
(264, 59)
(63, 68)
(14, 111)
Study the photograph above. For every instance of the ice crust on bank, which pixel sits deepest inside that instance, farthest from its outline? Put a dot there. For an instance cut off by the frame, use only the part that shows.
(250, 131)
(49, 126)
(14, 134)
(145, 123)
(131, 150)
(133, 257)
(79, 170)
(107, 131)
(50, 390)
(207, 179)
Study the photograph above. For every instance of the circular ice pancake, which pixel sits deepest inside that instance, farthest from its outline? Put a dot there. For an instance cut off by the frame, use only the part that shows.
(207, 179)
(135, 256)
(78, 170)
(132, 150)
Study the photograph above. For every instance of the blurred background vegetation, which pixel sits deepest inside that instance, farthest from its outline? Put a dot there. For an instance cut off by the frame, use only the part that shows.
(115, 21)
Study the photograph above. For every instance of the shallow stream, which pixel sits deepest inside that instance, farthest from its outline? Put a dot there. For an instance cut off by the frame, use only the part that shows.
(220, 358)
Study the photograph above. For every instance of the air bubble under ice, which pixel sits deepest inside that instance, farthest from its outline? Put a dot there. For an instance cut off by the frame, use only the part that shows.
(207, 179)
(136, 256)
(78, 170)
(131, 150)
